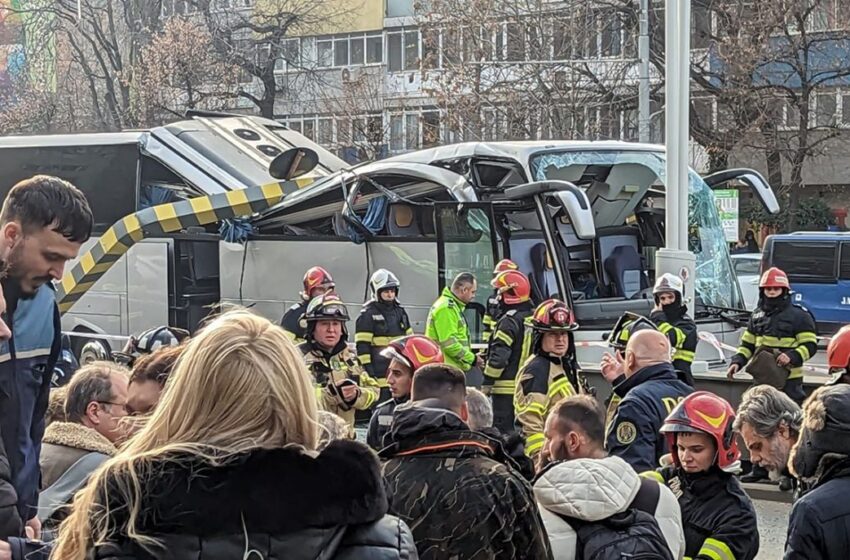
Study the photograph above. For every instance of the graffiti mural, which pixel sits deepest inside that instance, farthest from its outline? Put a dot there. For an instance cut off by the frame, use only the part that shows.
(12, 52)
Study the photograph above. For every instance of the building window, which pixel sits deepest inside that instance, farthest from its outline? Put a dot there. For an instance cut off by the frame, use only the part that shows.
(411, 50)
(825, 109)
(394, 59)
(430, 129)
(411, 131)
(396, 133)
(326, 132)
(341, 52)
(358, 50)
(845, 108)
(325, 49)
(515, 42)
(374, 49)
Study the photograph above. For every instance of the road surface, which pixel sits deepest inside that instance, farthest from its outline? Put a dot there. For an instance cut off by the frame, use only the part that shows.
(773, 524)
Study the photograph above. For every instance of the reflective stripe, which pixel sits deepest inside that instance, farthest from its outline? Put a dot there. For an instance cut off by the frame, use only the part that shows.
(716, 550)
(370, 396)
(409, 331)
(504, 387)
(504, 337)
(745, 352)
(685, 355)
(382, 382)
(803, 352)
(774, 342)
(665, 328)
(534, 407)
(364, 358)
(383, 340)
(748, 337)
(807, 336)
(655, 475)
(561, 386)
(363, 337)
(796, 373)
(319, 390)
(491, 371)
(451, 341)
(534, 443)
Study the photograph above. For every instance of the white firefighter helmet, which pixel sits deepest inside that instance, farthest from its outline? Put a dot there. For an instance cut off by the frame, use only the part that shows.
(669, 283)
(382, 279)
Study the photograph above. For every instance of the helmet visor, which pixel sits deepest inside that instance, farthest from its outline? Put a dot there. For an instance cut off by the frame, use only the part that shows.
(392, 353)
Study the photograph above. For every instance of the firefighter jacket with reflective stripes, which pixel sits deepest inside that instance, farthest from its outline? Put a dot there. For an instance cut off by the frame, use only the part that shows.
(447, 326)
(645, 400)
(382, 419)
(491, 315)
(787, 327)
(717, 515)
(328, 369)
(377, 325)
(682, 333)
(291, 322)
(505, 349)
(542, 383)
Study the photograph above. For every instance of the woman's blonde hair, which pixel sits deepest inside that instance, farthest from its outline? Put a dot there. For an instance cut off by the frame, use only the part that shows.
(240, 384)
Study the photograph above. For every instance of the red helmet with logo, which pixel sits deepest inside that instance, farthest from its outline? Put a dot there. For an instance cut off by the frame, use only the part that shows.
(704, 412)
(504, 265)
(838, 351)
(316, 277)
(774, 278)
(553, 316)
(414, 351)
(513, 287)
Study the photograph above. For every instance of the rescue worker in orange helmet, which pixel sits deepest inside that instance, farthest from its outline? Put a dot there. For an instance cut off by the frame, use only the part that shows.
(549, 375)
(504, 352)
(838, 356)
(494, 310)
(717, 515)
(405, 355)
(317, 281)
(779, 339)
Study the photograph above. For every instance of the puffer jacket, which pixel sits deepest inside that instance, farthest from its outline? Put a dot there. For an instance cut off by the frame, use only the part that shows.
(462, 503)
(271, 503)
(593, 490)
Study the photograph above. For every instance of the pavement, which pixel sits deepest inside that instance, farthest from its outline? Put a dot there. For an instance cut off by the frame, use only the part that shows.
(773, 525)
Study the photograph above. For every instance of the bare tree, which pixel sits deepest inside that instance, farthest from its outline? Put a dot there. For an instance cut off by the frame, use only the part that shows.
(179, 70)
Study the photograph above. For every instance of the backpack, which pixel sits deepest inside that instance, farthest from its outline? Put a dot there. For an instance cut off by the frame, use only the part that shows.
(632, 534)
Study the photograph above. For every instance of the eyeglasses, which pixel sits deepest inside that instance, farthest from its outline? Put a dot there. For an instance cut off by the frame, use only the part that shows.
(122, 405)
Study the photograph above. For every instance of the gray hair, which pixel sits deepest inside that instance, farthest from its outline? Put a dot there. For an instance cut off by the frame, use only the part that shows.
(765, 409)
(91, 383)
(480, 409)
(463, 279)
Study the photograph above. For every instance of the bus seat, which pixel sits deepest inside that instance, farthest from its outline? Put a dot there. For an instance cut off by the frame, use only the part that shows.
(537, 277)
(625, 269)
(607, 240)
(403, 221)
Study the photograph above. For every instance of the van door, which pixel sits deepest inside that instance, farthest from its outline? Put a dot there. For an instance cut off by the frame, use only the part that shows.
(466, 243)
(812, 269)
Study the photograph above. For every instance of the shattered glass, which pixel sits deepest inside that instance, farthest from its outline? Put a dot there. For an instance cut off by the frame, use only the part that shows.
(715, 282)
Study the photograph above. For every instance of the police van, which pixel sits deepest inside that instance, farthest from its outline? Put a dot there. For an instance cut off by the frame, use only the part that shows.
(818, 268)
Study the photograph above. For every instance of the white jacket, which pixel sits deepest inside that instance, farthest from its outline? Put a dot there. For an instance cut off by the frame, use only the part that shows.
(595, 489)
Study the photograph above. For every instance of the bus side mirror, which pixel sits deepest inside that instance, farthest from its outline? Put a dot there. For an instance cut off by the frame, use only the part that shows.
(753, 179)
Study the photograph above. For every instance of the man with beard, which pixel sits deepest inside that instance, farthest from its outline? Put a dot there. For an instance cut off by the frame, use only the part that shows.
(670, 315)
(43, 223)
(769, 423)
(583, 482)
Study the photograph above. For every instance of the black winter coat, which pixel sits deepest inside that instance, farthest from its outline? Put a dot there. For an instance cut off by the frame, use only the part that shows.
(444, 481)
(279, 503)
(820, 520)
(10, 520)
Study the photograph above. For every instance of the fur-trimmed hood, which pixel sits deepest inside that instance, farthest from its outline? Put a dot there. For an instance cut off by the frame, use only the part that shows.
(77, 436)
(825, 433)
(266, 491)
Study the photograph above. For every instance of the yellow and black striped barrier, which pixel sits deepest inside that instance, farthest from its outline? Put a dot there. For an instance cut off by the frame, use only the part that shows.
(160, 220)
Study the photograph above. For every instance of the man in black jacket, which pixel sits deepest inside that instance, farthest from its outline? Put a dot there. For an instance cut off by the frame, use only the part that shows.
(820, 520)
(443, 479)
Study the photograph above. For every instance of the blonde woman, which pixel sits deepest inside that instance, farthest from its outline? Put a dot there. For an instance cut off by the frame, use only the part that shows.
(225, 467)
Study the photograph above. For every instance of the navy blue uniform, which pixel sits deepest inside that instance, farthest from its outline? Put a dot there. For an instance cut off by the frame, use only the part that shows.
(647, 398)
(820, 521)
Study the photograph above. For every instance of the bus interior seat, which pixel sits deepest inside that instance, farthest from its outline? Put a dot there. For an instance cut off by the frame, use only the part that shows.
(403, 221)
(616, 198)
(624, 267)
(608, 239)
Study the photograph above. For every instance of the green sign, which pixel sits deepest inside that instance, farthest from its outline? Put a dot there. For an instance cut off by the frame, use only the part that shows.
(727, 207)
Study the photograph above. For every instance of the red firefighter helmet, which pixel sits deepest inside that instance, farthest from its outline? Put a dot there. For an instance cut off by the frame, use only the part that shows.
(316, 277)
(553, 316)
(704, 412)
(774, 278)
(838, 351)
(414, 351)
(512, 286)
(504, 265)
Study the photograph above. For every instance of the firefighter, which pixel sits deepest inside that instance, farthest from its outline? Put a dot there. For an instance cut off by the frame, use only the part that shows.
(549, 375)
(670, 316)
(405, 355)
(779, 338)
(504, 351)
(317, 281)
(494, 310)
(838, 356)
(381, 320)
(342, 385)
(149, 342)
(717, 515)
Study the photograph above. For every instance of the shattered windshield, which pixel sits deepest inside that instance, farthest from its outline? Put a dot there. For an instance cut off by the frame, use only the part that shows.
(716, 283)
